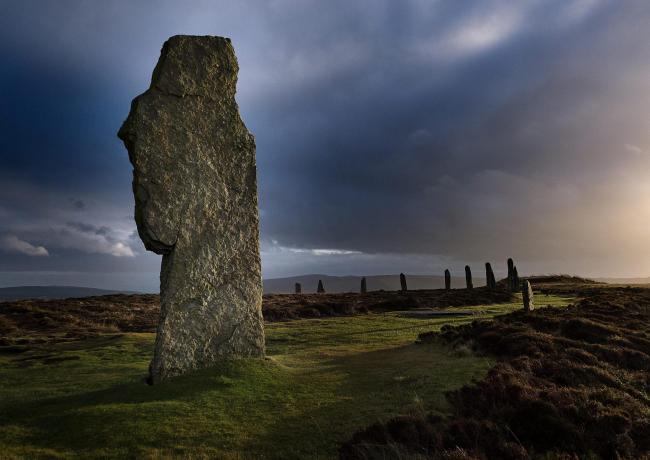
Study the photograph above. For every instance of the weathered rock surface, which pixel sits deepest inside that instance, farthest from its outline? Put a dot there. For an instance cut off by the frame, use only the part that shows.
(491, 281)
(364, 287)
(468, 277)
(447, 279)
(320, 287)
(527, 294)
(402, 282)
(194, 181)
(298, 288)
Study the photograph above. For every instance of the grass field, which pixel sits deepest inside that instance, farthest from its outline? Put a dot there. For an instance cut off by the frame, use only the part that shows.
(323, 380)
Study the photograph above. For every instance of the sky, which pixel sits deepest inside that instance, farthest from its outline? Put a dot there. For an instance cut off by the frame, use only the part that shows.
(407, 136)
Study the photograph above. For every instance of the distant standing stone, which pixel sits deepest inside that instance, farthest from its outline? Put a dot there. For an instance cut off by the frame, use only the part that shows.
(527, 293)
(515, 279)
(447, 279)
(195, 189)
(364, 288)
(489, 276)
(468, 277)
(298, 288)
(402, 282)
(511, 266)
(320, 288)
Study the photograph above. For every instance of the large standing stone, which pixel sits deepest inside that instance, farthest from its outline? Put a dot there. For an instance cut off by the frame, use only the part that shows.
(527, 294)
(490, 280)
(298, 288)
(468, 277)
(194, 181)
(402, 282)
(364, 287)
(447, 279)
(320, 289)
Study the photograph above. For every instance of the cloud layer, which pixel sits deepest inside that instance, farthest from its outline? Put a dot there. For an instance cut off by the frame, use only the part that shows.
(390, 134)
(12, 243)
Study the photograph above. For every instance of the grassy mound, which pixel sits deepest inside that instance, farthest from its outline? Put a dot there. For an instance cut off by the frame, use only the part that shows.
(323, 380)
(557, 284)
(570, 383)
(559, 279)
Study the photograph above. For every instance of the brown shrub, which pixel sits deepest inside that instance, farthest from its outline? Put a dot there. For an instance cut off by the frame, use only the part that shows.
(571, 383)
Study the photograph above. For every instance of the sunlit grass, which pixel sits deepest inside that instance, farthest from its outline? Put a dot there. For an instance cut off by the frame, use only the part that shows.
(323, 379)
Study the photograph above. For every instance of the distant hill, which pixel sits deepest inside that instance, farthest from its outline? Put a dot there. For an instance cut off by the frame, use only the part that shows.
(52, 292)
(333, 284)
(352, 283)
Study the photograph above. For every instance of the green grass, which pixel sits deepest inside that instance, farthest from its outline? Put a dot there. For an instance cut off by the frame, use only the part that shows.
(323, 380)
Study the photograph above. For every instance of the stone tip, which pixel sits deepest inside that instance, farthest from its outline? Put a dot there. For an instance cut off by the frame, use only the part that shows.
(175, 39)
(196, 65)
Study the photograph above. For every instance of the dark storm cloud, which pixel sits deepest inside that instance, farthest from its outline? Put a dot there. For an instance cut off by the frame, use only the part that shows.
(452, 156)
(420, 134)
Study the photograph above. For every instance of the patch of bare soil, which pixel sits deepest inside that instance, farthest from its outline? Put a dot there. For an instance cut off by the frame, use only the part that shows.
(570, 383)
(26, 322)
